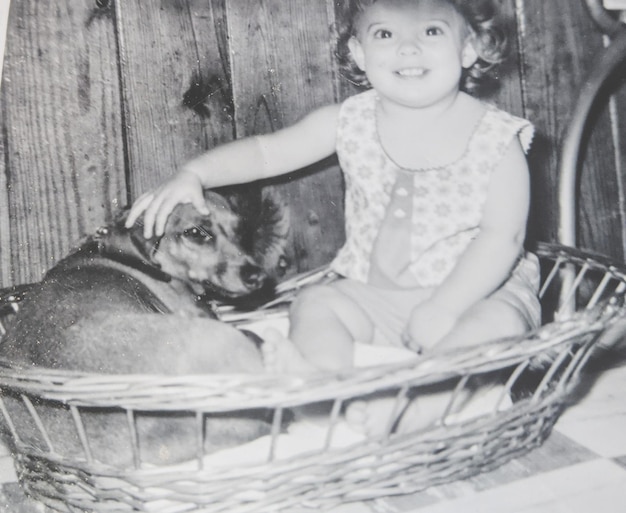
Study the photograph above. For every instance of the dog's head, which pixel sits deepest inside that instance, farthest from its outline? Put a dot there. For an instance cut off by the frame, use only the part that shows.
(208, 251)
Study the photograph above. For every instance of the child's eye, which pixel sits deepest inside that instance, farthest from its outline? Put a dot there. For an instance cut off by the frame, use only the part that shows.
(434, 31)
(382, 34)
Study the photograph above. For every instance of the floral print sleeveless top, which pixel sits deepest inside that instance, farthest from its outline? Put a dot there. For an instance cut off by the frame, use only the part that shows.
(407, 228)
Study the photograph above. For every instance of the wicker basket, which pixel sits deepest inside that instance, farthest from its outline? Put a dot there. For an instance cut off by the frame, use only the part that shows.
(583, 304)
(332, 473)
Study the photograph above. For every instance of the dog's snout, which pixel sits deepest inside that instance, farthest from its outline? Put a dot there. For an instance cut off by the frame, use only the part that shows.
(253, 276)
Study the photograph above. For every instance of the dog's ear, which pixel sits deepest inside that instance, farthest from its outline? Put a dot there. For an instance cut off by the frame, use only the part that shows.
(146, 247)
(271, 239)
(264, 226)
(218, 200)
(243, 199)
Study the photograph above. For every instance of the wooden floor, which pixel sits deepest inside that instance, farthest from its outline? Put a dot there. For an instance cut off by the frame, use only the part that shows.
(581, 468)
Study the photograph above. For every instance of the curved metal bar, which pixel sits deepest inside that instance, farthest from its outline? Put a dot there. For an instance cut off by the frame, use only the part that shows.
(609, 25)
(607, 63)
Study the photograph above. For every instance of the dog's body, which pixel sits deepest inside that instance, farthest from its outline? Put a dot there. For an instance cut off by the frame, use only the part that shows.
(122, 304)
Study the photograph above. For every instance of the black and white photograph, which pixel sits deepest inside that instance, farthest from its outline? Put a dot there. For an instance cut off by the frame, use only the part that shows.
(292, 256)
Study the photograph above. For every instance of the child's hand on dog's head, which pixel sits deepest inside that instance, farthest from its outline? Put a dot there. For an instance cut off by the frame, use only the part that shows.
(157, 205)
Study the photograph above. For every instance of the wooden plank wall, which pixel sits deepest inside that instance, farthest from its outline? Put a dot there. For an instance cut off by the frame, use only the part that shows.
(62, 132)
(559, 44)
(102, 100)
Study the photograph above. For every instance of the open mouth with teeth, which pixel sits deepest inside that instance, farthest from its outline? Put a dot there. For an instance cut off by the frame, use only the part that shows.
(411, 72)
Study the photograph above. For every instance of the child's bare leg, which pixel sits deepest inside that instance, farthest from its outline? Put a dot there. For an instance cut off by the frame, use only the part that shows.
(487, 320)
(324, 323)
(490, 319)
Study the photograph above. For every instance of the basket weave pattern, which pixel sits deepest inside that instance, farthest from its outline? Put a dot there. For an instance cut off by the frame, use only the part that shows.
(590, 288)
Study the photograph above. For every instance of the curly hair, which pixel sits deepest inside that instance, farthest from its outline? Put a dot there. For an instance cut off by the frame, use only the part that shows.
(480, 15)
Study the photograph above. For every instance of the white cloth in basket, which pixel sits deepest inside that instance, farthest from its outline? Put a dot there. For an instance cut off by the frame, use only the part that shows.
(304, 436)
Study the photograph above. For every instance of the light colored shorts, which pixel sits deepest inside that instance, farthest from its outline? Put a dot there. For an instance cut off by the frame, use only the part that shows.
(390, 309)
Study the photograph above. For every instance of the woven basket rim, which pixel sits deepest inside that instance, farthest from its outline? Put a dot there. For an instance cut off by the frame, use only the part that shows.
(229, 392)
(221, 392)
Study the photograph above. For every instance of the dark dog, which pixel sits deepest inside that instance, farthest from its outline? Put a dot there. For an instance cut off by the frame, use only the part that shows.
(122, 304)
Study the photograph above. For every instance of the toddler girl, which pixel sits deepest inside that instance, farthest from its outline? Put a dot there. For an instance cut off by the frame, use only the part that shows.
(437, 189)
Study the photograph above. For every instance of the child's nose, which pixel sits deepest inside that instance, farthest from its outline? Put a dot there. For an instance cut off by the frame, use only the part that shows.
(410, 46)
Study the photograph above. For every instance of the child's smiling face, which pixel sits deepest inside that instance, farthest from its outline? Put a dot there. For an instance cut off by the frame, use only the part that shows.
(413, 51)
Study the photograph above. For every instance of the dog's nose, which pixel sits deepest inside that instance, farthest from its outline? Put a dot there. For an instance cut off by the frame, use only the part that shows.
(253, 276)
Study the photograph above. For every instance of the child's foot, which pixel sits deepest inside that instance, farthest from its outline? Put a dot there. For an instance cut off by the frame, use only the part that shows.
(376, 416)
(281, 356)
(385, 414)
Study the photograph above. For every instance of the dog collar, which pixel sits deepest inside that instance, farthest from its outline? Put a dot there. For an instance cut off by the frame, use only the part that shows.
(115, 245)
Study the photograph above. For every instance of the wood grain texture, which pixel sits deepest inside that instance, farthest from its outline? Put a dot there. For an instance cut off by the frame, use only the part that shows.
(176, 84)
(282, 69)
(5, 227)
(558, 46)
(61, 123)
(5, 216)
(84, 131)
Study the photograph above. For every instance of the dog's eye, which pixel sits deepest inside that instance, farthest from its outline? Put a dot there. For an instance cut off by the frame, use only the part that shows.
(199, 235)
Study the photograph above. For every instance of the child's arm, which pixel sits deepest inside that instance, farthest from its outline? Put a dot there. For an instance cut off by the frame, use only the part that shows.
(253, 158)
(488, 260)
